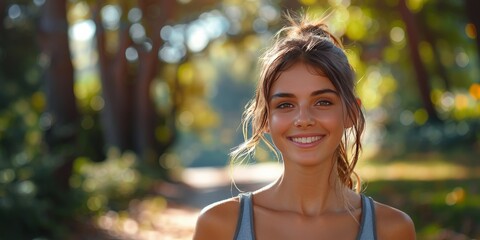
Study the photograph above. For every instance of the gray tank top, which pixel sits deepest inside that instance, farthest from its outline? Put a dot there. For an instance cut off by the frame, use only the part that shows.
(245, 230)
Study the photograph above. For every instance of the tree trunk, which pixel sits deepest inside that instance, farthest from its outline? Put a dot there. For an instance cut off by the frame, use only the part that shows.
(58, 75)
(116, 113)
(2, 13)
(420, 70)
(156, 15)
(472, 7)
(129, 117)
(441, 70)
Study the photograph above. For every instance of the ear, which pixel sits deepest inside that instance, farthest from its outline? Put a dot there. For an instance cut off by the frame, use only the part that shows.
(348, 121)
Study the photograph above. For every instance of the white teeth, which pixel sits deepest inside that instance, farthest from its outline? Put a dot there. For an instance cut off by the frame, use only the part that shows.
(306, 139)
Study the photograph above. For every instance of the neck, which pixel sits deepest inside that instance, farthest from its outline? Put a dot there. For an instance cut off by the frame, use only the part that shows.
(311, 191)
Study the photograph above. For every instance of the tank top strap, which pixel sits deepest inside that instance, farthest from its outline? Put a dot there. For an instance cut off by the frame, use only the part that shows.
(367, 224)
(244, 230)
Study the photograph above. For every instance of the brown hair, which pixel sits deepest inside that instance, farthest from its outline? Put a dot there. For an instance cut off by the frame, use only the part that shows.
(309, 42)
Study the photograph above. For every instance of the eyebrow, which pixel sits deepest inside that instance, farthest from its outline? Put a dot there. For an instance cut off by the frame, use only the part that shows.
(315, 93)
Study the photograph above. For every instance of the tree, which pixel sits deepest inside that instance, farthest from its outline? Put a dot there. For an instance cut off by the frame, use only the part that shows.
(470, 7)
(129, 115)
(421, 74)
(61, 115)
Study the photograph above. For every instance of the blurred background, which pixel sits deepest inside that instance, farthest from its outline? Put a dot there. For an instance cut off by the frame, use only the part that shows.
(117, 117)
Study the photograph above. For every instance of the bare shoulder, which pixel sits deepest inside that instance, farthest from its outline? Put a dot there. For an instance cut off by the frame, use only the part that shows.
(218, 220)
(393, 223)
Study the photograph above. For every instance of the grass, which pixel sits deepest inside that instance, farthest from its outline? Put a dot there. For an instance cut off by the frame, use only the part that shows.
(440, 191)
(436, 206)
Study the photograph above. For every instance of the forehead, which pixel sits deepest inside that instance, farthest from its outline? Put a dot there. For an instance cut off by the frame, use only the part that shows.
(301, 77)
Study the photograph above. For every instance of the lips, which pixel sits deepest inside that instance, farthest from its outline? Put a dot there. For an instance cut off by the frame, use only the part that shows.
(306, 140)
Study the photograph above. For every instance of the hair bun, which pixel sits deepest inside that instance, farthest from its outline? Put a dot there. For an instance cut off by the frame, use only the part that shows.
(304, 27)
(320, 30)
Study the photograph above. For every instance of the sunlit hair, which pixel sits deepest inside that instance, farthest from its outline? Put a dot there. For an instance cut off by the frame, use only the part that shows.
(309, 42)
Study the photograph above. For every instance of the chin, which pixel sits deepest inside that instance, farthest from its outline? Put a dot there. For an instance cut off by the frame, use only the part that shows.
(309, 161)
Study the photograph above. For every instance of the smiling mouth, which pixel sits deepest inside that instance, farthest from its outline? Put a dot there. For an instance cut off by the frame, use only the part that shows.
(306, 140)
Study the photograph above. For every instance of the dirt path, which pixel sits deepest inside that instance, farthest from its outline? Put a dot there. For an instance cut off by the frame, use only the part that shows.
(172, 212)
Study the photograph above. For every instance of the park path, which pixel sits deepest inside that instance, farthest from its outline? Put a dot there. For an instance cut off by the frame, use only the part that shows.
(203, 186)
(172, 212)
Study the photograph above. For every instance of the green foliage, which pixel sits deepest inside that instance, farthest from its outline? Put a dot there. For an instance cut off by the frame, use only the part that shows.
(29, 198)
(20, 98)
(436, 207)
(444, 138)
(32, 204)
(109, 185)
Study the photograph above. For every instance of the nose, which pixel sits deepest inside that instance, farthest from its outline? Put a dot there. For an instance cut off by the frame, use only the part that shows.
(304, 119)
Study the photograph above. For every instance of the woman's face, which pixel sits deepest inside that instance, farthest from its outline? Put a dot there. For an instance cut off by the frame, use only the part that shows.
(306, 119)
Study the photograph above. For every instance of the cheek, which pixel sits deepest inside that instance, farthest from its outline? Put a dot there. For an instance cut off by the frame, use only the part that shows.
(278, 123)
(273, 122)
(330, 117)
(333, 121)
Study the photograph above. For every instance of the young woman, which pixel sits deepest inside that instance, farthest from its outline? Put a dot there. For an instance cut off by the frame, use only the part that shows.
(305, 101)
